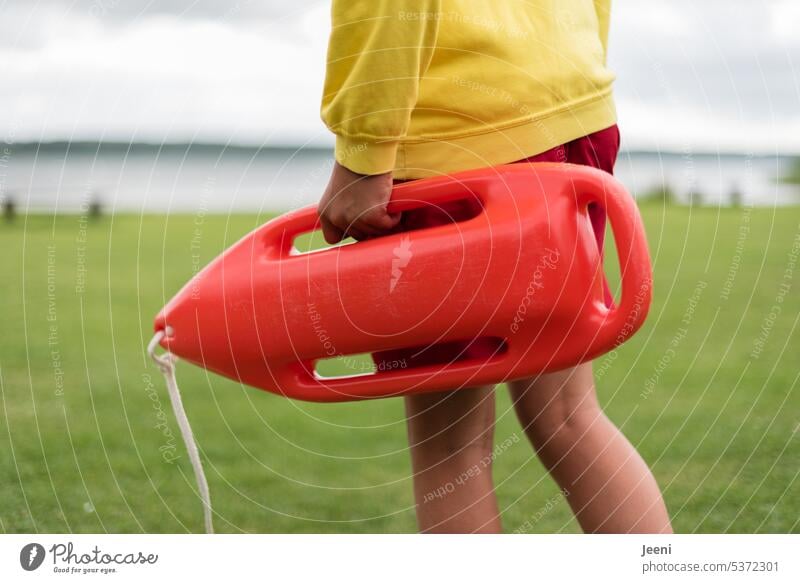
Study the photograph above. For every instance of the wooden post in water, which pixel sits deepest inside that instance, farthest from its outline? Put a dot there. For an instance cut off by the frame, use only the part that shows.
(9, 208)
(95, 206)
(735, 199)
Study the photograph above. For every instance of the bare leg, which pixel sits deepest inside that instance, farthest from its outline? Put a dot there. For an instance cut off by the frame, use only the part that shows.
(450, 435)
(610, 488)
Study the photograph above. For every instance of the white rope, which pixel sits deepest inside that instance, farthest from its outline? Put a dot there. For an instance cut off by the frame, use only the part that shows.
(166, 365)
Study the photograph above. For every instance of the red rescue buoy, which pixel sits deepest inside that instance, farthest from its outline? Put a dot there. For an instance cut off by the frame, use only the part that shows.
(516, 267)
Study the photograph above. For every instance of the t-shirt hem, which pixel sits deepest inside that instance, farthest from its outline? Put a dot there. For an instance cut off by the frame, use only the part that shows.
(433, 157)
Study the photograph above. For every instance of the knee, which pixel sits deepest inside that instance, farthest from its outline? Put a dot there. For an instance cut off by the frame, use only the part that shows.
(557, 430)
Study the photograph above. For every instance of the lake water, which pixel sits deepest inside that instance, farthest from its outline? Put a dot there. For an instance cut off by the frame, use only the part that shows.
(180, 178)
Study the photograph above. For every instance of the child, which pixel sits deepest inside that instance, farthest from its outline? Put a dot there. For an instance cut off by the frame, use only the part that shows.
(420, 88)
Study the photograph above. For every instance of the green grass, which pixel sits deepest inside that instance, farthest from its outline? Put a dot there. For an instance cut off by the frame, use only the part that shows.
(80, 453)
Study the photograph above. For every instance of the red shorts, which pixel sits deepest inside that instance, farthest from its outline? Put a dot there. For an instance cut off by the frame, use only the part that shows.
(598, 150)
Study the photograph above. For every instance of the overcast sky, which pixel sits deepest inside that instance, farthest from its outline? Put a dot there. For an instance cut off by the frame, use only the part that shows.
(692, 75)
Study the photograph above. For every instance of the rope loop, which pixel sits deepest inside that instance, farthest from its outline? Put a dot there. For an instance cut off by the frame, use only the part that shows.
(166, 364)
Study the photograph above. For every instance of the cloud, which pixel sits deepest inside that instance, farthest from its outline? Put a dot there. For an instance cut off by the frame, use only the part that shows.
(715, 75)
(165, 77)
(124, 11)
(720, 74)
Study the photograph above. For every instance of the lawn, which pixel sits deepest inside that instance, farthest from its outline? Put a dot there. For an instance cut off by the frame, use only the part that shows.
(708, 392)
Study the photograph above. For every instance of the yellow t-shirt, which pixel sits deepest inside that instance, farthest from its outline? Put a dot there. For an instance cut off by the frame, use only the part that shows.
(425, 87)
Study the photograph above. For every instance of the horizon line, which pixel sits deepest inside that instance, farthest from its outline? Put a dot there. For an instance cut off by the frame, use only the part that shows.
(251, 147)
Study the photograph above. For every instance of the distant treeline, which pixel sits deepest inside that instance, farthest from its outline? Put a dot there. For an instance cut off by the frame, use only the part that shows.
(128, 148)
(94, 148)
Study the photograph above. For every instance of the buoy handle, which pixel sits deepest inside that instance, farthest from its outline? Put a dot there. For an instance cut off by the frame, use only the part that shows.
(279, 234)
(624, 319)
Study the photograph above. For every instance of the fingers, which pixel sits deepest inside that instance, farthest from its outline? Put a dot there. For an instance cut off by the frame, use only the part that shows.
(331, 232)
(383, 221)
(355, 205)
(337, 229)
(358, 235)
(374, 222)
(371, 223)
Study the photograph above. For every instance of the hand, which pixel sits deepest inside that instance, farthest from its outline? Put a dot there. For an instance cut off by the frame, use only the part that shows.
(354, 205)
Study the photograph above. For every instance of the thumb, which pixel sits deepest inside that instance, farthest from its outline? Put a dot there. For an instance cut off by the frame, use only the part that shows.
(384, 220)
